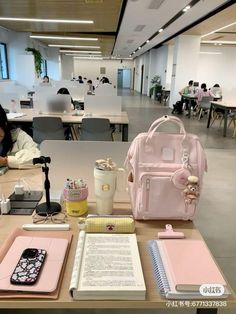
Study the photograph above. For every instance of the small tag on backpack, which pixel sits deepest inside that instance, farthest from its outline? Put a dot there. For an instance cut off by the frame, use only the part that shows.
(167, 154)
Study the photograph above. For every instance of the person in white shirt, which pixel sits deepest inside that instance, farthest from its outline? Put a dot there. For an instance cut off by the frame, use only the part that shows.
(217, 91)
(17, 148)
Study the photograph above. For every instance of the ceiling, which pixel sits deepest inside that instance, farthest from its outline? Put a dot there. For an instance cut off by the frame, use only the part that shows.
(104, 13)
(120, 26)
(217, 22)
(155, 14)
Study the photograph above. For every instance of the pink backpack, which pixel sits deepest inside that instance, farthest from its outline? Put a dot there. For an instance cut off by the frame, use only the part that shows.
(160, 166)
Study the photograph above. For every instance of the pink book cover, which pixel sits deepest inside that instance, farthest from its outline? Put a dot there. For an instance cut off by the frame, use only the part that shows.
(49, 277)
(190, 264)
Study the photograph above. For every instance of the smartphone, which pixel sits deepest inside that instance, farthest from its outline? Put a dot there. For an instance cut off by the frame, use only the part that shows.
(29, 266)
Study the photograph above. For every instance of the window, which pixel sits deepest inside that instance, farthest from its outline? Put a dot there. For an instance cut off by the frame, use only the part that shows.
(3, 62)
(44, 68)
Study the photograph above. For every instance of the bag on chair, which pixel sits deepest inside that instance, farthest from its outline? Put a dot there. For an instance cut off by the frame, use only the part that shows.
(165, 172)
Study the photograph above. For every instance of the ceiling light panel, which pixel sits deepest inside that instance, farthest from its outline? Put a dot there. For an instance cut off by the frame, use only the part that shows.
(80, 51)
(219, 29)
(210, 53)
(93, 1)
(74, 46)
(224, 42)
(88, 58)
(81, 55)
(23, 19)
(63, 37)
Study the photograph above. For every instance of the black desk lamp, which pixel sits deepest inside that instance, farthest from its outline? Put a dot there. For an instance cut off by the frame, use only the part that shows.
(47, 207)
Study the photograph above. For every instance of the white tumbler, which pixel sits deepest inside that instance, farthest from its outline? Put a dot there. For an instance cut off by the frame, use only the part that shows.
(105, 186)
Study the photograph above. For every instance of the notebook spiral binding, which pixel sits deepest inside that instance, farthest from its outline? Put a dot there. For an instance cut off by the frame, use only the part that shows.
(158, 267)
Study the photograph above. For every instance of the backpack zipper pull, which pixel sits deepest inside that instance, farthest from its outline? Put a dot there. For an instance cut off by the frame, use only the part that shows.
(148, 184)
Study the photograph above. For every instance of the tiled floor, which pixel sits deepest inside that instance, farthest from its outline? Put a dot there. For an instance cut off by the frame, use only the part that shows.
(216, 218)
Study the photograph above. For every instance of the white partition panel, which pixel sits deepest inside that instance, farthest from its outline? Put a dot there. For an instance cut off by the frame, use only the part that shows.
(105, 89)
(52, 103)
(72, 159)
(10, 101)
(102, 105)
(78, 92)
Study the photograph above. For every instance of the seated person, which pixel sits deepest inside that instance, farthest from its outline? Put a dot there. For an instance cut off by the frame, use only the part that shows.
(80, 80)
(64, 91)
(17, 148)
(105, 80)
(203, 91)
(96, 82)
(186, 91)
(45, 81)
(216, 91)
(91, 88)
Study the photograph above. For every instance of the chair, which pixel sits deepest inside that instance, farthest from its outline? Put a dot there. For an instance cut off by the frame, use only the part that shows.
(47, 128)
(232, 117)
(96, 129)
(204, 104)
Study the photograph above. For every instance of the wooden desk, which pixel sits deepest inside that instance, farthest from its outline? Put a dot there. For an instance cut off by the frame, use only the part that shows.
(121, 119)
(145, 231)
(226, 107)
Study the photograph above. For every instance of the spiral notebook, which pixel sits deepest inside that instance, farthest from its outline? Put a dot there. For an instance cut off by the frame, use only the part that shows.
(182, 266)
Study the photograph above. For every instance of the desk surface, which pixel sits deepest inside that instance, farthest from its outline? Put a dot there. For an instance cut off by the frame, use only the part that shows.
(189, 96)
(145, 231)
(69, 118)
(225, 104)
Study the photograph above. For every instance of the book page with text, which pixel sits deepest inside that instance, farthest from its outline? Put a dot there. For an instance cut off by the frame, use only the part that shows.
(111, 263)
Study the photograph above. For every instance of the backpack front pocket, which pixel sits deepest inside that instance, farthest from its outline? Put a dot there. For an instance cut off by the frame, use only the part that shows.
(159, 198)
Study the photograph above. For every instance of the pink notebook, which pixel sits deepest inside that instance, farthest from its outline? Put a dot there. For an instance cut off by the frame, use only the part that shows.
(49, 277)
(190, 264)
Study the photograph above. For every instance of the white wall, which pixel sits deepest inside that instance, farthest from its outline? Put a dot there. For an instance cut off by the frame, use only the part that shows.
(138, 62)
(169, 67)
(156, 62)
(24, 73)
(91, 68)
(67, 67)
(146, 73)
(218, 68)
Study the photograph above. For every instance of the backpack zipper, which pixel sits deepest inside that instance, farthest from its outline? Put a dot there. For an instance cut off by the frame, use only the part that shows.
(147, 194)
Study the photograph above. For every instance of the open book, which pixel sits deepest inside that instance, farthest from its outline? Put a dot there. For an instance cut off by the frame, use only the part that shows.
(107, 266)
(182, 266)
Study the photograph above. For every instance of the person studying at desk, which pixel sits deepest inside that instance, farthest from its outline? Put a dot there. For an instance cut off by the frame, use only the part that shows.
(202, 92)
(17, 149)
(187, 90)
(45, 81)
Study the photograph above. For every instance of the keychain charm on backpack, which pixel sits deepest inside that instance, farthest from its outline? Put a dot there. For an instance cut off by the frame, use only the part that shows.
(191, 192)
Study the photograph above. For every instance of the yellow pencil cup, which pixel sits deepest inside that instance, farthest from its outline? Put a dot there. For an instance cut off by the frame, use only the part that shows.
(76, 208)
